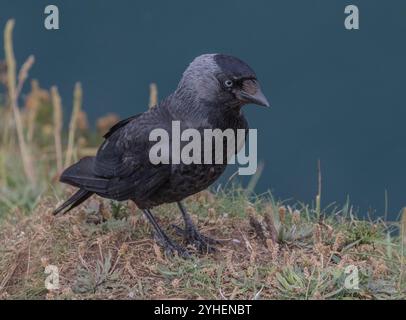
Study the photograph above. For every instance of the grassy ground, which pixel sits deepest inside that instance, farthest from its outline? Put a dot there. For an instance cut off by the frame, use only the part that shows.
(104, 250)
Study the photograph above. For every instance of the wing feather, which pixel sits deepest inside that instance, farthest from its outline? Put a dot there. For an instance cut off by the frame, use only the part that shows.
(123, 158)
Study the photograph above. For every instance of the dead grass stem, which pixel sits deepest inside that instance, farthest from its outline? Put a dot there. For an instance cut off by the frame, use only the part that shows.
(77, 104)
(13, 97)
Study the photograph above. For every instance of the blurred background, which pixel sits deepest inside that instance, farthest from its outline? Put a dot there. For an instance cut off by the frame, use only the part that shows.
(337, 96)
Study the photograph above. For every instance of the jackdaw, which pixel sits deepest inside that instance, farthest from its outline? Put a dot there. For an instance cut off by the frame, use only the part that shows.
(210, 95)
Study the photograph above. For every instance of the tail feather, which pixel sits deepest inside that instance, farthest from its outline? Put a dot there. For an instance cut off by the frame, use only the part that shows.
(75, 200)
(81, 175)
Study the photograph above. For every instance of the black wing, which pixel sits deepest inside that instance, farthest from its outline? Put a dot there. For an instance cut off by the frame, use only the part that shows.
(123, 158)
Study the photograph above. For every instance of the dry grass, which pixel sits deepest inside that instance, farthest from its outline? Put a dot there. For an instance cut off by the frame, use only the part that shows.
(153, 95)
(105, 251)
(14, 89)
(77, 104)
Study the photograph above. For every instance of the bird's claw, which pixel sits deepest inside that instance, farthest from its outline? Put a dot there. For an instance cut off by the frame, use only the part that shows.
(192, 236)
(171, 248)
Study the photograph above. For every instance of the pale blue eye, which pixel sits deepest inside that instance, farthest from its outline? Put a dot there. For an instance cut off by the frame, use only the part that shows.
(228, 83)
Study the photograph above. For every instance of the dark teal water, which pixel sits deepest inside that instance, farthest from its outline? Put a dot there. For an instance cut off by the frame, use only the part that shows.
(337, 95)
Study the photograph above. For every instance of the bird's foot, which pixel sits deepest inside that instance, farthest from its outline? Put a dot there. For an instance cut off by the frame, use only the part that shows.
(192, 236)
(171, 248)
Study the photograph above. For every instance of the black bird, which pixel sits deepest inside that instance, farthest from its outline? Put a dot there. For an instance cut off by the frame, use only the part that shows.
(210, 95)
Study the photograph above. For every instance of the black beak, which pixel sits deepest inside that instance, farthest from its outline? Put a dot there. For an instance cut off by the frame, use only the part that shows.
(257, 98)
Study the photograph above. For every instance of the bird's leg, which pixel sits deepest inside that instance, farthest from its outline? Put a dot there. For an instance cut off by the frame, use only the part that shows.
(170, 246)
(192, 235)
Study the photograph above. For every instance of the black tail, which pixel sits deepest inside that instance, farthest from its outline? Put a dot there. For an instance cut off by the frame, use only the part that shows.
(80, 196)
(80, 175)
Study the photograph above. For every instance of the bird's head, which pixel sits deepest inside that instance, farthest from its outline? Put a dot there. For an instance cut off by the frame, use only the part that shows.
(221, 79)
